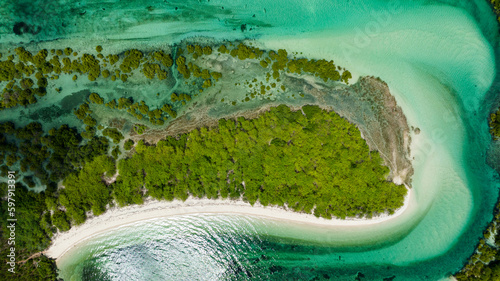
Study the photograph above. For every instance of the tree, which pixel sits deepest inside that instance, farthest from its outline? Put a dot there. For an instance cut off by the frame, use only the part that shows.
(95, 98)
(60, 220)
(113, 134)
(85, 190)
(128, 144)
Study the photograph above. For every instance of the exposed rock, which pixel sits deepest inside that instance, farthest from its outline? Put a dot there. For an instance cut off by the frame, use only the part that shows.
(369, 104)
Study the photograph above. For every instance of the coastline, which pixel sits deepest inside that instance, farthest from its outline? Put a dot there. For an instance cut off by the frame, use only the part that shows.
(116, 217)
(452, 187)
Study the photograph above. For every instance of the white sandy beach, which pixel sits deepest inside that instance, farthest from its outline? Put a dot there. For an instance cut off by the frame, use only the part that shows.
(116, 217)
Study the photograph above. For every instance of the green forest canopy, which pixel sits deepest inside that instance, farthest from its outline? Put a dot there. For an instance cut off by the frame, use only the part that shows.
(317, 161)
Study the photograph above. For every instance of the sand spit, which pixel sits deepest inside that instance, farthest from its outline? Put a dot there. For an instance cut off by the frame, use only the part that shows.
(116, 217)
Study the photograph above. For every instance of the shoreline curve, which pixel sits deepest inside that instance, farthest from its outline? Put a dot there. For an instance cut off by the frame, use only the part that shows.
(115, 217)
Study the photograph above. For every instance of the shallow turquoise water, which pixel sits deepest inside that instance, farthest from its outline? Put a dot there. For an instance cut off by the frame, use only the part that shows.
(439, 63)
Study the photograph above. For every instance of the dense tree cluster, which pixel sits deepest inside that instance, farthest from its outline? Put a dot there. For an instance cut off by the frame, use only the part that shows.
(54, 156)
(32, 235)
(131, 61)
(60, 220)
(65, 146)
(32, 152)
(36, 269)
(19, 71)
(484, 264)
(49, 157)
(324, 165)
(7, 147)
(88, 64)
(30, 206)
(85, 190)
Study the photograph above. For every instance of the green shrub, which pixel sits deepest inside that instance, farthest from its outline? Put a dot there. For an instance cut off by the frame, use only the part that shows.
(95, 98)
(128, 144)
(113, 134)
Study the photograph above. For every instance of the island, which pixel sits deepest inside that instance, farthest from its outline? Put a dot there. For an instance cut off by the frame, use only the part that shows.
(323, 140)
